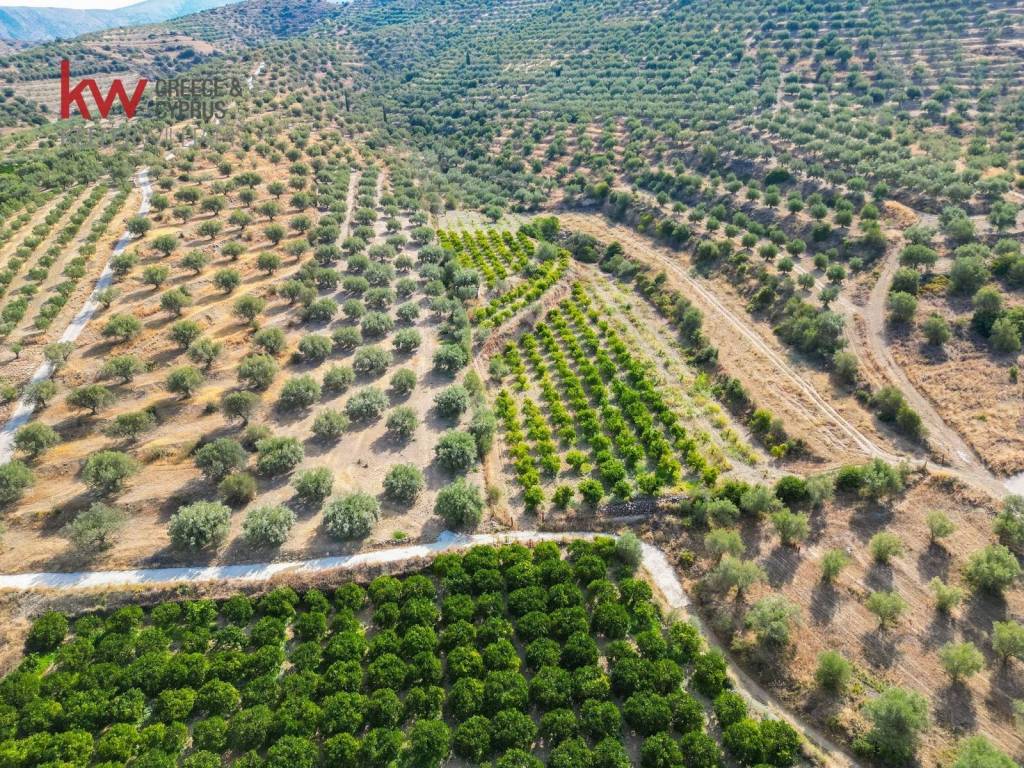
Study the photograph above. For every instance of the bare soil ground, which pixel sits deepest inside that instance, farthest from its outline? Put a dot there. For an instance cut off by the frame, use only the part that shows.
(169, 478)
(835, 617)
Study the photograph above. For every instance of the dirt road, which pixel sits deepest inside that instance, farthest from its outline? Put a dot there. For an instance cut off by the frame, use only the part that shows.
(866, 332)
(23, 412)
(723, 320)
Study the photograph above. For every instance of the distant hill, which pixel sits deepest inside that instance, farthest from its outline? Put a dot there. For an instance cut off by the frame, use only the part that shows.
(26, 24)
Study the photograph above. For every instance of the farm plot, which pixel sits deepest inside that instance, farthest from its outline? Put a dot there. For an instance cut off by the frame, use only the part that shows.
(248, 359)
(583, 413)
(515, 271)
(502, 653)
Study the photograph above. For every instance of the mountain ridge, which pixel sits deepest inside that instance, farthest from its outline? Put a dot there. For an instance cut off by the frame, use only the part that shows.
(36, 25)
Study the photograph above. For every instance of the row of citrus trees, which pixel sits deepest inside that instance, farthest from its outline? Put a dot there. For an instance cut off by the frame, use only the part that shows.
(598, 403)
(493, 654)
(495, 255)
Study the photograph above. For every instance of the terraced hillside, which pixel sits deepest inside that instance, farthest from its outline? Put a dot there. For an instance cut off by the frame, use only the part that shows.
(743, 277)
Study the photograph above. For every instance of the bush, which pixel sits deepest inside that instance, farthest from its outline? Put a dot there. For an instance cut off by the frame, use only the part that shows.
(743, 740)
(939, 525)
(257, 371)
(460, 504)
(473, 738)
(993, 569)
(402, 422)
(701, 750)
(371, 361)
(832, 562)
(403, 483)
(237, 489)
(967, 274)
(338, 378)
(661, 751)
(184, 381)
(452, 401)
(1008, 640)
(450, 358)
(887, 606)
(406, 340)
(403, 382)
(330, 424)
(456, 452)
(278, 455)
(709, 674)
(315, 348)
(511, 729)
(879, 480)
(936, 330)
(429, 742)
(1005, 336)
(299, 392)
(729, 708)
(15, 477)
(833, 672)
(366, 405)
(628, 549)
(1009, 523)
(352, 516)
(92, 528)
(218, 459)
(781, 743)
(897, 718)
(47, 632)
(591, 490)
(105, 472)
(239, 405)
(884, 546)
(771, 619)
(200, 525)
(312, 486)
(978, 752)
(35, 438)
(902, 307)
(961, 660)
(792, 527)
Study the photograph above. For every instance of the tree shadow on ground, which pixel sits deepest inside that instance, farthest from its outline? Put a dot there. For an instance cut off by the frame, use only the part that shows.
(954, 708)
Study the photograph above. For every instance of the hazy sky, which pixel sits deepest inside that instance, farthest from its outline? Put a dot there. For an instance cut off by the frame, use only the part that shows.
(70, 3)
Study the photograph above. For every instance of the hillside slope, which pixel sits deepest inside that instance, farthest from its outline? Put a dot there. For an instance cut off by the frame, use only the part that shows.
(27, 24)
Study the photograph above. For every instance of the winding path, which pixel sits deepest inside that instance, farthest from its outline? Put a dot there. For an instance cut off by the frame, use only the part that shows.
(866, 331)
(597, 225)
(23, 412)
(960, 461)
(663, 578)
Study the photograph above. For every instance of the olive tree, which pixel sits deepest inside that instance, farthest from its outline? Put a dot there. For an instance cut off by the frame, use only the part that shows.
(106, 472)
(93, 528)
(201, 525)
(460, 504)
(268, 526)
(352, 516)
(35, 438)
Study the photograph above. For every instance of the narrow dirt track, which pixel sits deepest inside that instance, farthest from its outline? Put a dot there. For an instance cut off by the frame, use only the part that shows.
(866, 332)
(968, 469)
(24, 410)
